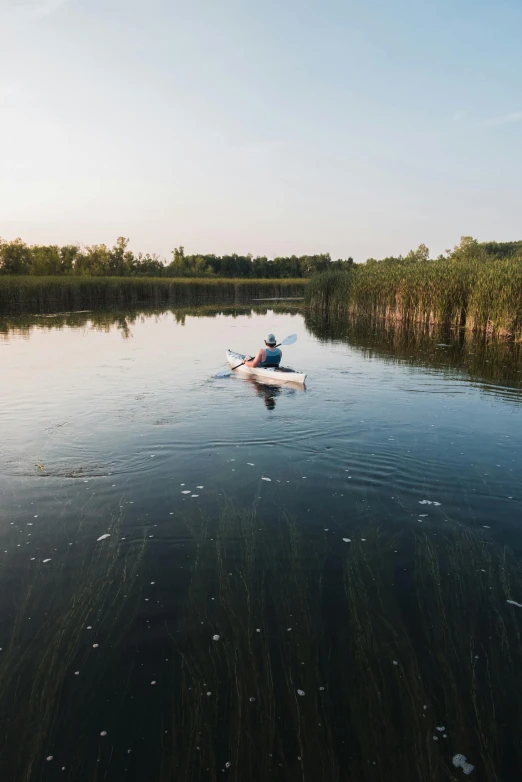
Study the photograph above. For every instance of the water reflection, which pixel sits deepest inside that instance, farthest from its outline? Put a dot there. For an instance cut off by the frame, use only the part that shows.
(124, 319)
(266, 392)
(187, 593)
(494, 364)
(270, 392)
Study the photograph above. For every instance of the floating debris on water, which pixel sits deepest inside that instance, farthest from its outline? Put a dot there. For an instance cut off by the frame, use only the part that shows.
(103, 733)
(227, 765)
(514, 603)
(153, 683)
(186, 491)
(103, 537)
(215, 637)
(252, 700)
(440, 729)
(460, 761)
(301, 692)
(428, 502)
(346, 540)
(395, 662)
(266, 479)
(95, 646)
(49, 758)
(200, 487)
(251, 464)
(194, 495)
(46, 560)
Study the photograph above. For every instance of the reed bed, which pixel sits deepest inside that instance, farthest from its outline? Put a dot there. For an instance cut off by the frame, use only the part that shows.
(482, 296)
(41, 294)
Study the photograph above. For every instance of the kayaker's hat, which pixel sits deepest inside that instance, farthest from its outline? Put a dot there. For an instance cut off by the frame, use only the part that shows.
(270, 339)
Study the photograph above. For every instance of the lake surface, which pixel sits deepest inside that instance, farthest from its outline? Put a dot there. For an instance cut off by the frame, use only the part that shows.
(210, 578)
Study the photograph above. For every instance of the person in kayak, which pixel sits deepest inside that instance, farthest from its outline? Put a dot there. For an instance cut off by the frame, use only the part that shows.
(269, 356)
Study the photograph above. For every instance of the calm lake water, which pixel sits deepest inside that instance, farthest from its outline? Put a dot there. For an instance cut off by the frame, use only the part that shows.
(209, 578)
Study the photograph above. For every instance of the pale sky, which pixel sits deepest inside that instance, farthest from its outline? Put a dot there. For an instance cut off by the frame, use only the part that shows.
(358, 128)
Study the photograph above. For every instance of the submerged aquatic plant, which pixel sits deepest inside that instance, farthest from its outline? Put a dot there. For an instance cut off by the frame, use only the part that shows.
(47, 646)
(333, 662)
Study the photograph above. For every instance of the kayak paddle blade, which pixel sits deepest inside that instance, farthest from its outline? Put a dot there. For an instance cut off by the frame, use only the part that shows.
(289, 340)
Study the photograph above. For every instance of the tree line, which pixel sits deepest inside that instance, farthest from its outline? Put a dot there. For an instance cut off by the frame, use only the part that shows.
(469, 249)
(17, 257)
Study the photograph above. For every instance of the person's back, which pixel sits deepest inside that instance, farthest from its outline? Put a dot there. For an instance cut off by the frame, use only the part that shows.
(269, 356)
(272, 357)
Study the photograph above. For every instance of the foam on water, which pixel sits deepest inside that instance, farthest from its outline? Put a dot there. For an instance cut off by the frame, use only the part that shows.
(460, 761)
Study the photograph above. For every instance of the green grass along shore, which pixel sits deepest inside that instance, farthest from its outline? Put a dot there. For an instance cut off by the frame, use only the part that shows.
(20, 292)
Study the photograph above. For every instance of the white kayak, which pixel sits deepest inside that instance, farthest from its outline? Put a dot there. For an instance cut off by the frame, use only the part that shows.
(281, 374)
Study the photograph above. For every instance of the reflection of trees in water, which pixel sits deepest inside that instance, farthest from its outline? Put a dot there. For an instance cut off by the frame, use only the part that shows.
(492, 361)
(123, 319)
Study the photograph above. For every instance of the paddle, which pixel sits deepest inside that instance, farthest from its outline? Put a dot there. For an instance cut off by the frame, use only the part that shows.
(287, 341)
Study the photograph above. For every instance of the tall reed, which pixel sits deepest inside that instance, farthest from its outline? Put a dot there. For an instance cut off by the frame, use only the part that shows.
(482, 295)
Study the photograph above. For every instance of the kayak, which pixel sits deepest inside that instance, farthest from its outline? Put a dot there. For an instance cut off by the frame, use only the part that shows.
(281, 374)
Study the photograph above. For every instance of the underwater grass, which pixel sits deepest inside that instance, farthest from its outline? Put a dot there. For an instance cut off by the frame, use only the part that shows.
(401, 642)
(48, 641)
(18, 292)
(401, 669)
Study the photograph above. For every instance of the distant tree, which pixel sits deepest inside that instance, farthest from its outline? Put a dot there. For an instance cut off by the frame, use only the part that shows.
(422, 253)
(503, 249)
(15, 257)
(46, 260)
(468, 250)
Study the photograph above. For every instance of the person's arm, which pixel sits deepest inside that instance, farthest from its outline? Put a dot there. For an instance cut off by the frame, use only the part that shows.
(259, 358)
